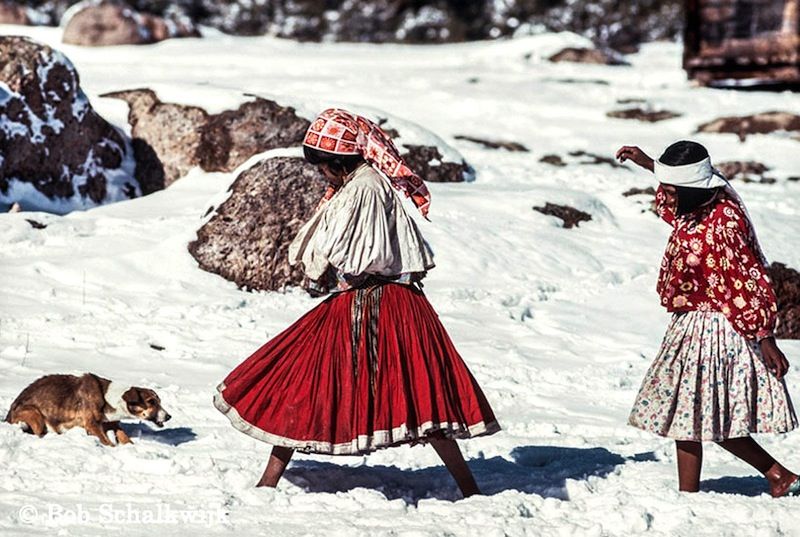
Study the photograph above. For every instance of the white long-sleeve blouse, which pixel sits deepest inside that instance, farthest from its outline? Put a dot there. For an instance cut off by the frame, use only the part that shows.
(362, 229)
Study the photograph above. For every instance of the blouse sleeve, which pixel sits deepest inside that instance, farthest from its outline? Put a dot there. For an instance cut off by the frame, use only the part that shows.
(746, 296)
(665, 211)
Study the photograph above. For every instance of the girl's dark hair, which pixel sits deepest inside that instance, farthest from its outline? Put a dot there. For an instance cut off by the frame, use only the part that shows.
(683, 152)
(680, 154)
(338, 163)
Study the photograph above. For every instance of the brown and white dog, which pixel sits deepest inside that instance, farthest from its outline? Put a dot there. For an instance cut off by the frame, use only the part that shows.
(60, 402)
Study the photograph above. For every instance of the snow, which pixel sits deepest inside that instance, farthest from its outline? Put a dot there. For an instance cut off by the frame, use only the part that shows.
(557, 325)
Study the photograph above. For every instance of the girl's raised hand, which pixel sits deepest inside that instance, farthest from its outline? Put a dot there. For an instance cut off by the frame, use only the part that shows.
(636, 155)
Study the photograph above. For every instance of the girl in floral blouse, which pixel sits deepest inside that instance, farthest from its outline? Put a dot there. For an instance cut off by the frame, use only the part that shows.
(719, 374)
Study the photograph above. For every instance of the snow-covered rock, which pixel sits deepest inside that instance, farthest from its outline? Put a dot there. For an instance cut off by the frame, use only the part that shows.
(56, 153)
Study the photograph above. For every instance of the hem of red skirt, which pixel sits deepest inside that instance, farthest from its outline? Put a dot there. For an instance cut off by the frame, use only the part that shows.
(363, 443)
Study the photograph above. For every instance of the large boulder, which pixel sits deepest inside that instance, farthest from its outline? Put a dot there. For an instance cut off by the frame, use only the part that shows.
(247, 238)
(182, 136)
(56, 153)
(13, 13)
(113, 22)
(786, 282)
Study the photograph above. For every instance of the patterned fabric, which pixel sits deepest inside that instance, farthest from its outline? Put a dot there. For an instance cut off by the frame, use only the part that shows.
(711, 264)
(343, 133)
(708, 383)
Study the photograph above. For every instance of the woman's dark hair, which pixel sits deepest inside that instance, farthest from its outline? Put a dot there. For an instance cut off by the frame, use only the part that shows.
(680, 154)
(343, 164)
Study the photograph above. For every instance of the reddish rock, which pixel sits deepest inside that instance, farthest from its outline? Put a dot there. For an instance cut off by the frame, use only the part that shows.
(786, 282)
(247, 238)
(571, 216)
(494, 144)
(748, 171)
(642, 114)
(13, 13)
(429, 163)
(113, 22)
(764, 123)
(51, 138)
(181, 137)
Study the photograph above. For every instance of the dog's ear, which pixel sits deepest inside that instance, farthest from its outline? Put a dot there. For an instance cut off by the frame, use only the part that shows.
(133, 398)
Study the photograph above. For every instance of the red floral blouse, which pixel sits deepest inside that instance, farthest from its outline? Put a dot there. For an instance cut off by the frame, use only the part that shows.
(711, 265)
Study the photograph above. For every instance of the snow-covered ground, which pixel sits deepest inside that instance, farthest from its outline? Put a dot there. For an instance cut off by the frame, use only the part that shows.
(557, 325)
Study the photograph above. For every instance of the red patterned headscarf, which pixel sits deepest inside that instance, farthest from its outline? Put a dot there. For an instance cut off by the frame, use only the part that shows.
(343, 133)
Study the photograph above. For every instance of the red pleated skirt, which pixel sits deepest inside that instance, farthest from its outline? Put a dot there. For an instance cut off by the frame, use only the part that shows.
(365, 369)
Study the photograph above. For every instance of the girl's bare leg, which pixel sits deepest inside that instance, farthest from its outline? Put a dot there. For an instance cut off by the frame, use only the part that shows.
(278, 460)
(448, 451)
(753, 454)
(690, 464)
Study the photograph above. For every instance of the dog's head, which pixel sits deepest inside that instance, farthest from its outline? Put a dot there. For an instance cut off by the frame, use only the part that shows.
(146, 405)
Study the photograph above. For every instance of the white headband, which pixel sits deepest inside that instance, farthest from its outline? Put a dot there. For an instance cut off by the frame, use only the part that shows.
(698, 175)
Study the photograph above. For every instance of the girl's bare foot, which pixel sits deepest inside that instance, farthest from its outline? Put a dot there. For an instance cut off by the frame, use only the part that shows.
(780, 479)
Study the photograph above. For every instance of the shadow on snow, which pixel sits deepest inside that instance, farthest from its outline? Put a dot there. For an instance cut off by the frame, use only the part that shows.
(174, 436)
(542, 470)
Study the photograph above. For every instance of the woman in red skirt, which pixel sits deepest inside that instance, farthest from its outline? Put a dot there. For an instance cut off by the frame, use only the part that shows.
(371, 366)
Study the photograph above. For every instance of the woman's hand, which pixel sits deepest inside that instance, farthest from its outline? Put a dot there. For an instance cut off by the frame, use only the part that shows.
(633, 153)
(774, 358)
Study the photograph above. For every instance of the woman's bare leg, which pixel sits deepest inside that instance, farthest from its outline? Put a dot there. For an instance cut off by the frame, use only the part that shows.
(690, 464)
(278, 460)
(752, 453)
(452, 458)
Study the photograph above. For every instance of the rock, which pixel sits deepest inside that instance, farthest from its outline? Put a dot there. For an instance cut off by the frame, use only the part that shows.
(56, 153)
(621, 26)
(170, 139)
(642, 114)
(428, 162)
(494, 144)
(587, 55)
(786, 282)
(13, 13)
(553, 160)
(35, 224)
(112, 22)
(764, 123)
(571, 216)
(580, 157)
(748, 171)
(591, 159)
(635, 191)
(247, 238)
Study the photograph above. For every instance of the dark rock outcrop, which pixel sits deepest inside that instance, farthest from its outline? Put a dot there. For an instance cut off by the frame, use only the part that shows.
(247, 238)
(180, 137)
(113, 22)
(609, 23)
(763, 123)
(493, 144)
(429, 163)
(50, 137)
(748, 171)
(571, 216)
(642, 114)
(786, 282)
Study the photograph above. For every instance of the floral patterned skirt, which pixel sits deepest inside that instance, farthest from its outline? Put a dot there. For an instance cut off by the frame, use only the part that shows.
(709, 383)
